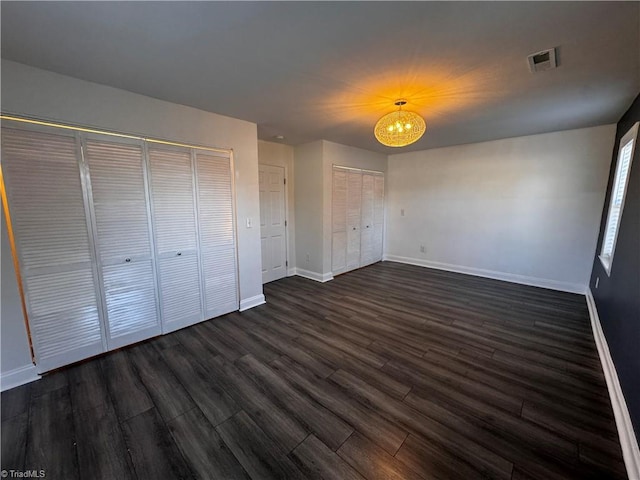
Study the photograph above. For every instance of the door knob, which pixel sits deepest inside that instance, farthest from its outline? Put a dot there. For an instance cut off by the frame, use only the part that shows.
(127, 260)
(179, 253)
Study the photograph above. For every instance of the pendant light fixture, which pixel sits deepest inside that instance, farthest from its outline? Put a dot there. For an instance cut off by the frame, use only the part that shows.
(399, 128)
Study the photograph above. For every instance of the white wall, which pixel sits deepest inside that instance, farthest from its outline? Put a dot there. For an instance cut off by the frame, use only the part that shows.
(270, 153)
(337, 154)
(308, 206)
(524, 209)
(38, 93)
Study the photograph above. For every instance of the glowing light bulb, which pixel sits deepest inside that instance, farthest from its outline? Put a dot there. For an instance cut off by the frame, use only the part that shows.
(408, 126)
(390, 128)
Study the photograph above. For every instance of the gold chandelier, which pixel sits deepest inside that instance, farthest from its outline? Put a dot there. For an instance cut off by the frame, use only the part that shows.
(399, 128)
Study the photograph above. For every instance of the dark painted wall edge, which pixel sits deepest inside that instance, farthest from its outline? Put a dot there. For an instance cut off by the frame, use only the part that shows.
(617, 296)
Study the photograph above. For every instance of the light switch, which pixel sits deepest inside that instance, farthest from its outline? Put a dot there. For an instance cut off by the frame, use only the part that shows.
(248, 222)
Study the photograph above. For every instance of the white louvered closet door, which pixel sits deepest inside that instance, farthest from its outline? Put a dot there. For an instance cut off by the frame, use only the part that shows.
(339, 221)
(175, 225)
(378, 216)
(48, 212)
(124, 245)
(354, 212)
(217, 233)
(366, 225)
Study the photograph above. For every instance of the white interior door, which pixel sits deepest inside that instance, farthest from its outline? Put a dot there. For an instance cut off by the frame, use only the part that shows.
(367, 219)
(378, 217)
(176, 231)
(354, 213)
(273, 236)
(49, 216)
(339, 221)
(372, 217)
(124, 241)
(357, 211)
(217, 233)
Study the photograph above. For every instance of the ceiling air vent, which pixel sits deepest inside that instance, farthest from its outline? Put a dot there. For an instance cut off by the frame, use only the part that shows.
(541, 61)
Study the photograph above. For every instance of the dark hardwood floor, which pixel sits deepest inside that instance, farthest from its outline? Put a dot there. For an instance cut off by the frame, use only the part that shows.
(388, 372)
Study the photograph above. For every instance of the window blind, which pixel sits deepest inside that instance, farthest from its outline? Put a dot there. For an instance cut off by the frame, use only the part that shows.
(618, 192)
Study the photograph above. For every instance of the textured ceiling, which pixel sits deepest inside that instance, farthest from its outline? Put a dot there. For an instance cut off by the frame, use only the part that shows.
(329, 70)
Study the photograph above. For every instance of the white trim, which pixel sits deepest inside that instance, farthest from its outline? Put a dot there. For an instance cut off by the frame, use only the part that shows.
(251, 302)
(49, 123)
(606, 263)
(480, 272)
(628, 441)
(291, 272)
(318, 277)
(18, 376)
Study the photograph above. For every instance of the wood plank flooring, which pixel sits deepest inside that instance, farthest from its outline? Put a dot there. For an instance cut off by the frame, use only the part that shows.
(388, 372)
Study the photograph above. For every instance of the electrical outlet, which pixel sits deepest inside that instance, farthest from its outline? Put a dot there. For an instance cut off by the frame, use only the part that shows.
(308, 258)
(422, 249)
(597, 281)
(402, 212)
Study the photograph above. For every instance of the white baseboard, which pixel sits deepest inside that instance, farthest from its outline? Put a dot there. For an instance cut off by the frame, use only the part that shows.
(18, 376)
(628, 441)
(479, 272)
(291, 272)
(251, 302)
(318, 277)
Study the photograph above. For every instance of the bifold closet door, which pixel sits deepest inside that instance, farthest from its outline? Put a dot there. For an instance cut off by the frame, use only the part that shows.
(339, 221)
(346, 219)
(366, 225)
(357, 223)
(217, 233)
(372, 218)
(49, 217)
(124, 241)
(176, 230)
(378, 217)
(354, 212)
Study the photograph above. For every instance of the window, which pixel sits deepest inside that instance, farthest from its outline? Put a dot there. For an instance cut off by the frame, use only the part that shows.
(618, 192)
